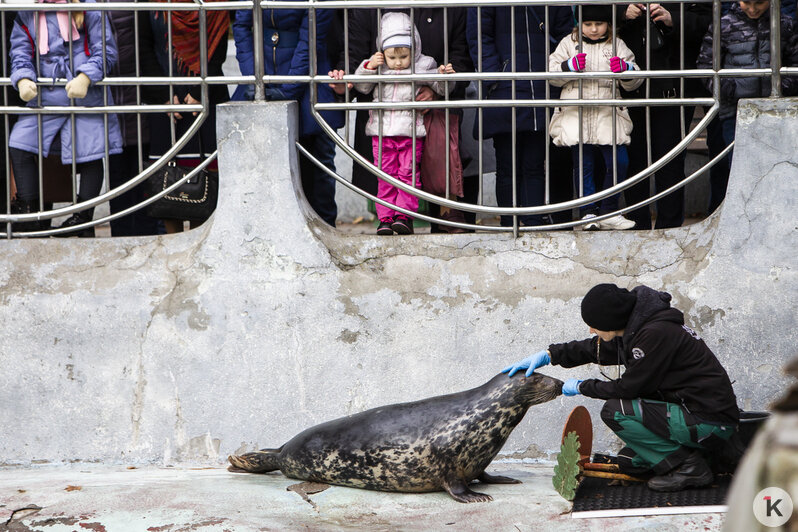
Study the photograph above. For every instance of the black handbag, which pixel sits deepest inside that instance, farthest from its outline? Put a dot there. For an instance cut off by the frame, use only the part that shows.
(194, 200)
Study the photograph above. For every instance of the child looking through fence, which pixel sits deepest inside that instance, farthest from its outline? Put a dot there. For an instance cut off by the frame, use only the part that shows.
(594, 52)
(393, 130)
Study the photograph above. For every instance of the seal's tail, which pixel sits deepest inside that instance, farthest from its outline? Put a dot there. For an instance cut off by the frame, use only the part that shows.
(261, 461)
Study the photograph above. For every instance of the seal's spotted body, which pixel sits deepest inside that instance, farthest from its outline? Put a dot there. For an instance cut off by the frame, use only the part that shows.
(440, 443)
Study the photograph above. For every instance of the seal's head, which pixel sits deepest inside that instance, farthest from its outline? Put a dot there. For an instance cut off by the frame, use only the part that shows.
(535, 389)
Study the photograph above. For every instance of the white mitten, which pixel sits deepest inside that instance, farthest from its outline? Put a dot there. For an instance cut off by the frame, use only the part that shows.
(79, 86)
(27, 89)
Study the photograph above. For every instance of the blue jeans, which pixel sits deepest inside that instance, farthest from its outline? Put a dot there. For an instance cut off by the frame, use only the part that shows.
(530, 154)
(589, 179)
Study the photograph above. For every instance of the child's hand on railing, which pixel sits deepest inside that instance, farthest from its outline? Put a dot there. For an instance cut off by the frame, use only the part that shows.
(446, 69)
(78, 86)
(27, 89)
(577, 63)
(619, 65)
(376, 61)
(338, 88)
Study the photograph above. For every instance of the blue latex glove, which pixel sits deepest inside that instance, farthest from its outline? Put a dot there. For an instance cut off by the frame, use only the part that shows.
(571, 387)
(532, 362)
(273, 94)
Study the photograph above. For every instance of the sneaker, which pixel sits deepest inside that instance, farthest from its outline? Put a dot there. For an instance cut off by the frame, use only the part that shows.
(385, 226)
(590, 226)
(402, 225)
(77, 219)
(692, 473)
(617, 223)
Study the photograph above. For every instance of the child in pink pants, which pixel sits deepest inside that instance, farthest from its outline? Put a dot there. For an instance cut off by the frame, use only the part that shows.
(397, 124)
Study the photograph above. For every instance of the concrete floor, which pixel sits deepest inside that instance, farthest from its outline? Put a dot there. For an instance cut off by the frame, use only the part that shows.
(115, 498)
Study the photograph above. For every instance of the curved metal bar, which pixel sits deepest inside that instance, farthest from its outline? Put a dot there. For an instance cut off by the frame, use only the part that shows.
(511, 229)
(541, 209)
(102, 198)
(99, 221)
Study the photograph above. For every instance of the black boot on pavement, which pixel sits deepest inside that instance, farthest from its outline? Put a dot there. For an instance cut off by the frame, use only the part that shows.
(692, 473)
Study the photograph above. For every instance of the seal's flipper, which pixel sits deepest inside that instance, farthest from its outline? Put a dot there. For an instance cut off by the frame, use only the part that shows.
(256, 462)
(487, 478)
(460, 492)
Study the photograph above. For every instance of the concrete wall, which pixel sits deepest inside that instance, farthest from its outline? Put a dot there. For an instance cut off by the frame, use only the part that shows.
(264, 321)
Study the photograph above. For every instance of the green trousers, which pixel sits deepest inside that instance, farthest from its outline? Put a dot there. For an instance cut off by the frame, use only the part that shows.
(660, 435)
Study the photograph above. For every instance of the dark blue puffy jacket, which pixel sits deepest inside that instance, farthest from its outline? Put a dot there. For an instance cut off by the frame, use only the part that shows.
(285, 43)
(497, 57)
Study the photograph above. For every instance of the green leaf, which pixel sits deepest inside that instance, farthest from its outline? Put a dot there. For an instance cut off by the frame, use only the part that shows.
(567, 468)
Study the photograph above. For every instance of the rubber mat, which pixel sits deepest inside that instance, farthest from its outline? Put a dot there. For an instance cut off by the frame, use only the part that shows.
(597, 495)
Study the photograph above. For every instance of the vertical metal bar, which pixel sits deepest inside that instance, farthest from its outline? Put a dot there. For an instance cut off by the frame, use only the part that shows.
(647, 14)
(107, 160)
(257, 50)
(6, 124)
(378, 97)
(684, 126)
(479, 109)
(203, 44)
(39, 120)
(312, 55)
(413, 111)
(170, 54)
(446, 93)
(139, 139)
(346, 71)
(72, 117)
(204, 96)
(614, 108)
(716, 50)
(775, 48)
(581, 145)
(547, 112)
(513, 117)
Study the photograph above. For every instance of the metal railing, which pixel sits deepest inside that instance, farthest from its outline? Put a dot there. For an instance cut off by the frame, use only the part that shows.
(351, 101)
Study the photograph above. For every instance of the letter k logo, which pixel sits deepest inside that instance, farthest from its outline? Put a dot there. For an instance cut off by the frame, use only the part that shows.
(772, 506)
(777, 508)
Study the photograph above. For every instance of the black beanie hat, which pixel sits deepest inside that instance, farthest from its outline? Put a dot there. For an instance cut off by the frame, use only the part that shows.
(607, 308)
(596, 13)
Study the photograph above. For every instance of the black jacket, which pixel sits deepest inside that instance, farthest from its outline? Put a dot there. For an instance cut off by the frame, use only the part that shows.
(664, 359)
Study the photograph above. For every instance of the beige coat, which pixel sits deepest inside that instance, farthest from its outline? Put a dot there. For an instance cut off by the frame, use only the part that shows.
(596, 121)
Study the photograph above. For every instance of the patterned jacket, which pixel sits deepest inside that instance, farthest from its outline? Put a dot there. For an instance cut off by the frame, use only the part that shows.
(745, 43)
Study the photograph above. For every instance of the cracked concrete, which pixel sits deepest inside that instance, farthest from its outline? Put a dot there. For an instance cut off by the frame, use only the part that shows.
(241, 333)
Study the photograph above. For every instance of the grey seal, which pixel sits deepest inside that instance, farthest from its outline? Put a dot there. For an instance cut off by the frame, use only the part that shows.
(440, 443)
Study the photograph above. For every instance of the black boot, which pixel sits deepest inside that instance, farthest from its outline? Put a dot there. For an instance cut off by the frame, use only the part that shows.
(20, 206)
(692, 473)
(77, 219)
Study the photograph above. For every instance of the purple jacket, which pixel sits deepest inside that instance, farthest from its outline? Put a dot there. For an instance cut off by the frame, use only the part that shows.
(89, 129)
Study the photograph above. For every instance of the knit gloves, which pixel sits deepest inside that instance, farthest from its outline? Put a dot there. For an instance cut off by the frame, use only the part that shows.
(78, 86)
(619, 65)
(576, 63)
(27, 89)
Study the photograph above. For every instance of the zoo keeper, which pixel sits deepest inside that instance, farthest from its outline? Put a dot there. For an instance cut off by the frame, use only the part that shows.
(674, 399)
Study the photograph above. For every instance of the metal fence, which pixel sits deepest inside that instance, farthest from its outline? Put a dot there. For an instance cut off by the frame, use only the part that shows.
(480, 79)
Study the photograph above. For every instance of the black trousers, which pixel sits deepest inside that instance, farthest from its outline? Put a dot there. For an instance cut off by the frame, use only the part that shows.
(122, 168)
(26, 173)
(665, 134)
